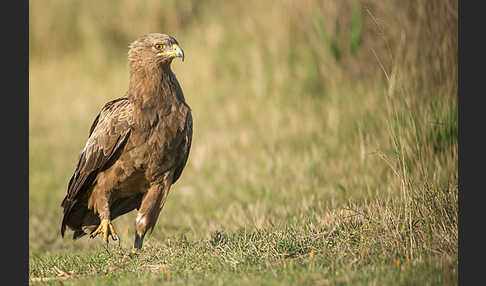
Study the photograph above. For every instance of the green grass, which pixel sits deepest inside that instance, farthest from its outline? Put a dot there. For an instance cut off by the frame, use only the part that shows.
(303, 170)
(262, 257)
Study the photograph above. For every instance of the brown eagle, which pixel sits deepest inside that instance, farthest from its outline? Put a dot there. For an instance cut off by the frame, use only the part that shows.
(137, 148)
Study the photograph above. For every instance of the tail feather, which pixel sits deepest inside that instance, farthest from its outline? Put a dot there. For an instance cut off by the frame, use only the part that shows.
(78, 233)
(78, 217)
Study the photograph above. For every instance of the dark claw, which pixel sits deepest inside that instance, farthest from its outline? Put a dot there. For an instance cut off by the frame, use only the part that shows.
(115, 237)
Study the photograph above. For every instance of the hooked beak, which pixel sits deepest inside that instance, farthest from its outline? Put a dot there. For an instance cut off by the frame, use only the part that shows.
(174, 51)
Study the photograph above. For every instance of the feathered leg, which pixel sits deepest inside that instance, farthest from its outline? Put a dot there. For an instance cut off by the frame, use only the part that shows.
(151, 206)
(100, 202)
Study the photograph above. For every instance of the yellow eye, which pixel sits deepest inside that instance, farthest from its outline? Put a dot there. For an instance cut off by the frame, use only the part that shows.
(159, 46)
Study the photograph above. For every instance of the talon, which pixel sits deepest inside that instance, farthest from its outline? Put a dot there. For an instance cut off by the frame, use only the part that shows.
(113, 232)
(107, 229)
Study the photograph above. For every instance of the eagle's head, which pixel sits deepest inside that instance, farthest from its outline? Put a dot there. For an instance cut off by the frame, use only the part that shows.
(154, 50)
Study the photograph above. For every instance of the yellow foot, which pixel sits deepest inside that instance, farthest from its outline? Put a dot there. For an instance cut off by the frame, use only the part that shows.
(107, 229)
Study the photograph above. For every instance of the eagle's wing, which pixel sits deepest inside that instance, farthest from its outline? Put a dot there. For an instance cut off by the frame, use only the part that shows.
(187, 147)
(107, 137)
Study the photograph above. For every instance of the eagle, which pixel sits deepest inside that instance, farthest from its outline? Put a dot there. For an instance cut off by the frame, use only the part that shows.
(137, 147)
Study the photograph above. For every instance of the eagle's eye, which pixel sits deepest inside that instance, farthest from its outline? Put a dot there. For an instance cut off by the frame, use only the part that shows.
(159, 47)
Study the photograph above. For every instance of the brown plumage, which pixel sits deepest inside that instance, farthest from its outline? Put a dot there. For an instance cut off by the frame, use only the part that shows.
(137, 148)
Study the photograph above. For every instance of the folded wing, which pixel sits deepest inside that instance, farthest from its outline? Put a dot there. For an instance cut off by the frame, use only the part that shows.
(107, 137)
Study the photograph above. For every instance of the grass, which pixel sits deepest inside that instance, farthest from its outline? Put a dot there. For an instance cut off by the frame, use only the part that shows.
(304, 169)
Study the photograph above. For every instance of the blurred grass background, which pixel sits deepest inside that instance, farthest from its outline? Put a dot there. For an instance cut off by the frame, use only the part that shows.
(335, 117)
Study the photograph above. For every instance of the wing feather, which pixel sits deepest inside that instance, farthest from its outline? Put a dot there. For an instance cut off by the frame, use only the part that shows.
(187, 147)
(107, 137)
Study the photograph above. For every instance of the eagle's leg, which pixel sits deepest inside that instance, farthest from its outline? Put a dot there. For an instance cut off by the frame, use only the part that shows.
(99, 200)
(150, 208)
